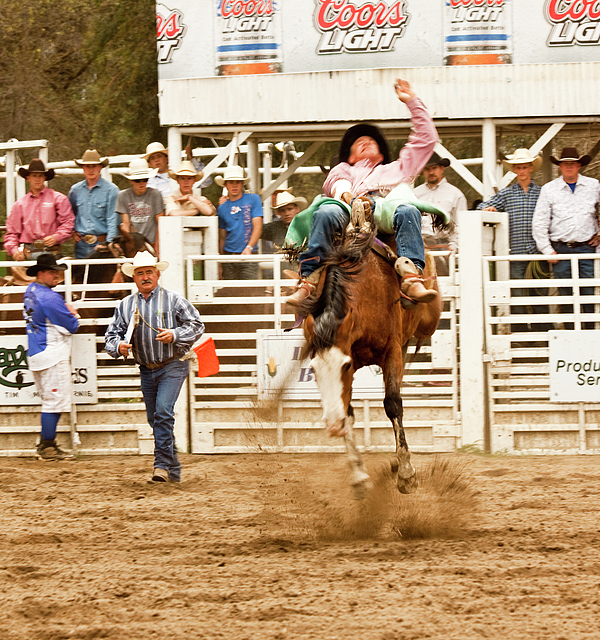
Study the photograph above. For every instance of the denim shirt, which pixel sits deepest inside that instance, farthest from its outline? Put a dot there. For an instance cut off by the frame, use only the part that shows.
(95, 208)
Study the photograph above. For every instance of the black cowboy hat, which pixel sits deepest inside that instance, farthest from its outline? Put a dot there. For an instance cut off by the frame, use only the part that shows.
(358, 131)
(45, 262)
(36, 166)
(570, 154)
(436, 160)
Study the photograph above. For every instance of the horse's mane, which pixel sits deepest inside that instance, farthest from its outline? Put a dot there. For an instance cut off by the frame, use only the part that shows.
(345, 262)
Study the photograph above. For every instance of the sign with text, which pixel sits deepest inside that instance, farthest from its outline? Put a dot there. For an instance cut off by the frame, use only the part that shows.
(281, 366)
(574, 366)
(16, 381)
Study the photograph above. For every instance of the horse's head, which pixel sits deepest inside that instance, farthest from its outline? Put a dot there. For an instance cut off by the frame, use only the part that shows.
(332, 364)
(130, 243)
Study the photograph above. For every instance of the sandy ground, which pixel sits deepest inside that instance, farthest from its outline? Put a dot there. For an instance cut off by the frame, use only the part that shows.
(262, 546)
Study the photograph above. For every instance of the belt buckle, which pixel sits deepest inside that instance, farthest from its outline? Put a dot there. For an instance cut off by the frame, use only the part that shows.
(38, 244)
(90, 238)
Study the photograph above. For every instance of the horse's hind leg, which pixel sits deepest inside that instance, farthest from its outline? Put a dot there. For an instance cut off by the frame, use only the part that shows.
(407, 476)
(359, 478)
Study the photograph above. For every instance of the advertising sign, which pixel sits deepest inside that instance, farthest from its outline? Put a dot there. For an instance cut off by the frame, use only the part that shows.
(248, 37)
(207, 38)
(16, 381)
(478, 32)
(280, 366)
(574, 366)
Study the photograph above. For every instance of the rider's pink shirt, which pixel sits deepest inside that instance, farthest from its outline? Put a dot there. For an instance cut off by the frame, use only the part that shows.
(366, 176)
(33, 218)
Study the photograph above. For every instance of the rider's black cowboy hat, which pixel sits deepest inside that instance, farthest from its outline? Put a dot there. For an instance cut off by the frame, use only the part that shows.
(36, 166)
(570, 154)
(358, 131)
(45, 262)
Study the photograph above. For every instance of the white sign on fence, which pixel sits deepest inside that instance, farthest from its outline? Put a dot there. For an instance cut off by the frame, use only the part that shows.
(574, 366)
(16, 381)
(280, 366)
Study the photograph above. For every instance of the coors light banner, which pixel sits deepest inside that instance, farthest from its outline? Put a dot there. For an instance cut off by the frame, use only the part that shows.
(206, 38)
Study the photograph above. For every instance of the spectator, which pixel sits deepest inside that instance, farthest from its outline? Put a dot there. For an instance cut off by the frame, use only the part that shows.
(286, 207)
(183, 201)
(140, 205)
(158, 158)
(240, 224)
(159, 327)
(50, 323)
(564, 220)
(519, 200)
(438, 191)
(41, 220)
(93, 201)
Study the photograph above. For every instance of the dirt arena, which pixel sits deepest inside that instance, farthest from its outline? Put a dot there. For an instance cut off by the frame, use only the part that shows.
(270, 546)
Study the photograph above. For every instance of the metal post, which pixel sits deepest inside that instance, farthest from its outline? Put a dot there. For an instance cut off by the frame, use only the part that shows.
(253, 160)
(488, 140)
(175, 147)
(267, 177)
(10, 179)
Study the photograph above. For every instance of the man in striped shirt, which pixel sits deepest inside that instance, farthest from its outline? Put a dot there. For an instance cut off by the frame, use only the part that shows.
(159, 327)
(519, 201)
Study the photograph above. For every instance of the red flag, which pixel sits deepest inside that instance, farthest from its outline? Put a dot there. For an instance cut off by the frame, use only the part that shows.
(208, 363)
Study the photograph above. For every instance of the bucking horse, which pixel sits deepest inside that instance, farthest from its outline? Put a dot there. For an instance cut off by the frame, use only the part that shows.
(359, 317)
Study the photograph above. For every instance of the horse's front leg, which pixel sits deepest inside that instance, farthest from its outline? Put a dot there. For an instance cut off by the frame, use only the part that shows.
(359, 478)
(407, 476)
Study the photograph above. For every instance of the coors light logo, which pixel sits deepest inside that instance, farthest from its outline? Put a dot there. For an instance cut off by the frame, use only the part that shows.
(574, 22)
(351, 26)
(169, 32)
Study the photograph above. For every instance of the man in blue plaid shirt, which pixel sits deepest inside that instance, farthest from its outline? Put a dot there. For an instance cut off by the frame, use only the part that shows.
(159, 326)
(519, 201)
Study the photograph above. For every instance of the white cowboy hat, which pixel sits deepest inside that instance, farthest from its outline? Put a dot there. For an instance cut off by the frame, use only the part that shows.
(91, 156)
(231, 173)
(155, 147)
(139, 170)
(285, 197)
(522, 156)
(143, 259)
(186, 170)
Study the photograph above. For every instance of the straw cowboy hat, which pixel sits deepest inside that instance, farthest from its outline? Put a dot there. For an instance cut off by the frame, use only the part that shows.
(437, 161)
(143, 259)
(285, 197)
(46, 262)
(91, 156)
(36, 166)
(358, 131)
(186, 170)
(155, 147)
(139, 170)
(522, 156)
(231, 173)
(570, 154)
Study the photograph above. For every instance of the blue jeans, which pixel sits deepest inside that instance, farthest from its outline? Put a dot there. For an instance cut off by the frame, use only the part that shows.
(160, 389)
(517, 272)
(330, 221)
(83, 249)
(562, 269)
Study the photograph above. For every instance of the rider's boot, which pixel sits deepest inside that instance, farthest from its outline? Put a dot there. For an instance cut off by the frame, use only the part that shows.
(412, 281)
(305, 287)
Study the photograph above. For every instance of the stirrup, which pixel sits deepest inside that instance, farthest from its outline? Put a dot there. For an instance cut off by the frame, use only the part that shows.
(421, 294)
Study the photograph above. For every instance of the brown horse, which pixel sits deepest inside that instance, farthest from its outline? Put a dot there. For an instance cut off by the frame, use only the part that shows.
(357, 320)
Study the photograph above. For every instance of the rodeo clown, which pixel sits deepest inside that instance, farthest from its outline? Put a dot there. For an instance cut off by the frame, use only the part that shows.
(159, 327)
(50, 324)
(365, 173)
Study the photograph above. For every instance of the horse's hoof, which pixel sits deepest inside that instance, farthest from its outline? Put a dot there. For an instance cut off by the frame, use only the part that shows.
(362, 488)
(407, 485)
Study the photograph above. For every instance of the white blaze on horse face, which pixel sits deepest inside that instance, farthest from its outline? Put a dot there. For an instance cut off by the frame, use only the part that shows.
(328, 367)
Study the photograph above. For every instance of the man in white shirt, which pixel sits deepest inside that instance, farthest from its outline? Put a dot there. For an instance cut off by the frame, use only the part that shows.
(564, 220)
(158, 158)
(438, 191)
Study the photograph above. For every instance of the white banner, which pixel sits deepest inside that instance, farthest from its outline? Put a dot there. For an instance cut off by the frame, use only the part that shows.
(574, 366)
(280, 366)
(16, 381)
